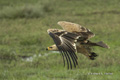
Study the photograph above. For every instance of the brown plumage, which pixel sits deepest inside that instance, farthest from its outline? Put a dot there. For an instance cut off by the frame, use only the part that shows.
(73, 38)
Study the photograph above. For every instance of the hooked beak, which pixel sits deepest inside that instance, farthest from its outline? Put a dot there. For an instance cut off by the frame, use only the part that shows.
(46, 48)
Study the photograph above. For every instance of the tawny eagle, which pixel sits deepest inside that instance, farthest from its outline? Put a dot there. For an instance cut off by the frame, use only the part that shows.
(71, 40)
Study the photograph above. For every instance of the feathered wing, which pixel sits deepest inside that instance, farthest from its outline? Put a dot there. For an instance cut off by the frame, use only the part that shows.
(65, 42)
(76, 28)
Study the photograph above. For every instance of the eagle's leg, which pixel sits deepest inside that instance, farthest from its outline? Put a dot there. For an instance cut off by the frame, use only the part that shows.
(92, 55)
(83, 51)
(87, 53)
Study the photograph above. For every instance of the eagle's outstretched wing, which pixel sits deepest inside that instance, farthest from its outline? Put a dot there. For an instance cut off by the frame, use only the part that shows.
(73, 27)
(65, 42)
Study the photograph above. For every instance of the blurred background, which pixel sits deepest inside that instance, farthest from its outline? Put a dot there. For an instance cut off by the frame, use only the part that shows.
(23, 39)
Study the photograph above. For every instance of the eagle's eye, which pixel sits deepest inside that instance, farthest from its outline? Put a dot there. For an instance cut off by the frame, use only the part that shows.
(50, 47)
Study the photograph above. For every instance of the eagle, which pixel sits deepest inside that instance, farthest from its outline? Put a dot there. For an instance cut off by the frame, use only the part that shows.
(72, 39)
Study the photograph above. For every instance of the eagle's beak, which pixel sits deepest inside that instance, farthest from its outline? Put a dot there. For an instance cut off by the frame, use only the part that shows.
(48, 48)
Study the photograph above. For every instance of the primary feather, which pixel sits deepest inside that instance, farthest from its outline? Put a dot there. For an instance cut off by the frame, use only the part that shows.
(65, 44)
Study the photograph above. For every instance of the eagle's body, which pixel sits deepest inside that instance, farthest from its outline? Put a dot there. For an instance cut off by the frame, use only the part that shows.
(73, 38)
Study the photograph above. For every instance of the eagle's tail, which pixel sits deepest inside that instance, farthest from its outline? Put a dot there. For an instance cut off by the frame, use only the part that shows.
(102, 44)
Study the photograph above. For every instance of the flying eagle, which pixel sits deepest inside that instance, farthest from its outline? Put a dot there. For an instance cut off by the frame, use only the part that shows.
(71, 40)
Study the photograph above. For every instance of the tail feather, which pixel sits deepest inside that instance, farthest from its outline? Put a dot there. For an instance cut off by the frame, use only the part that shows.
(102, 44)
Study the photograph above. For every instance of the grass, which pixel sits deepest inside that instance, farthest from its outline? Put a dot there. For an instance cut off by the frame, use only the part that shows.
(25, 36)
(24, 10)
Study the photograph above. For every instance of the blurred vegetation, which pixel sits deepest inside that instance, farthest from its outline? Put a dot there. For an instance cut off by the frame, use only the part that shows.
(23, 9)
(23, 39)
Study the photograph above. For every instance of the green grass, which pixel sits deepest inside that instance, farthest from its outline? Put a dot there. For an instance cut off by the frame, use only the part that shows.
(23, 26)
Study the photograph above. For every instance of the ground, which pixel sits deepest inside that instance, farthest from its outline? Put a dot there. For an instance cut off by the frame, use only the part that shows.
(24, 38)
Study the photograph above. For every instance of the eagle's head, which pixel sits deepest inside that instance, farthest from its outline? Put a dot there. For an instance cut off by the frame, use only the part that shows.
(52, 48)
